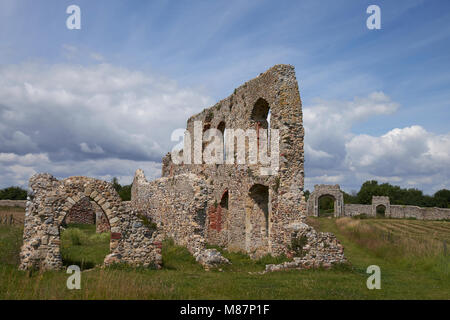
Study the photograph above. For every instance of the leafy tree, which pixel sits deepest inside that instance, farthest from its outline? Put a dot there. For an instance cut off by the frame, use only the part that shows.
(306, 194)
(442, 198)
(123, 191)
(13, 193)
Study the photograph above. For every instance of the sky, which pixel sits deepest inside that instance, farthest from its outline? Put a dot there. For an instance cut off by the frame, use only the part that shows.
(102, 101)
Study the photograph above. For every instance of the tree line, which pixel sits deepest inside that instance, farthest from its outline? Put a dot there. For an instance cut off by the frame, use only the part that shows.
(18, 193)
(396, 194)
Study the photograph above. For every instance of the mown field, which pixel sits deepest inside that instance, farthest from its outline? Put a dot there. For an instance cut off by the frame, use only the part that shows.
(410, 253)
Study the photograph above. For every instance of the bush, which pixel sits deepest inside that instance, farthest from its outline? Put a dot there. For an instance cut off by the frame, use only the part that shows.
(73, 236)
(13, 193)
(297, 244)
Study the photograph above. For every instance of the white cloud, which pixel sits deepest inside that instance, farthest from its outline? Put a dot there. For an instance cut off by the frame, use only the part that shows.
(411, 156)
(16, 169)
(408, 151)
(79, 112)
(97, 120)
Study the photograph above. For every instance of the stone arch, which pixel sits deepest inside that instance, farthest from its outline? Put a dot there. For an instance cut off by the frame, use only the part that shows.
(221, 127)
(257, 209)
(260, 112)
(321, 190)
(326, 196)
(50, 202)
(381, 201)
(380, 210)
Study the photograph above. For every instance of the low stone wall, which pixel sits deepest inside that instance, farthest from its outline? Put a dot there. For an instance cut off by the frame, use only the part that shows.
(351, 210)
(13, 203)
(420, 213)
(178, 206)
(320, 249)
(50, 201)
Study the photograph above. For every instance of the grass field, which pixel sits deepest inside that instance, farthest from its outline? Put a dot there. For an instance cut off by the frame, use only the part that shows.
(410, 254)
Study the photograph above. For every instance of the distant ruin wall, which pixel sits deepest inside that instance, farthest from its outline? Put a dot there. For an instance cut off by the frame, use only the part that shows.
(420, 213)
(13, 203)
(351, 210)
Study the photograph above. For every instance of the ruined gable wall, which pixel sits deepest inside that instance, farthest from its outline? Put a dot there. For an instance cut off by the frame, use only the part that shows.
(278, 87)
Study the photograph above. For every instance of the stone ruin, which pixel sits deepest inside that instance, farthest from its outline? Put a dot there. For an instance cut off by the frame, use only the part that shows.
(49, 203)
(240, 206)
(350, 209)
(323, 190)
(87, 211)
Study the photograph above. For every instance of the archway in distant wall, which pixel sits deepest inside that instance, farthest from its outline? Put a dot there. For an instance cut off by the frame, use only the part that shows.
(257, 219)
(379, 202)
(381, 211)
(331, 191)
(50, 202)
(327, 205)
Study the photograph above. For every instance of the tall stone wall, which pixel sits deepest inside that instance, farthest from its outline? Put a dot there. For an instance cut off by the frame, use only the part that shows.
(241, 206)
(245, 225)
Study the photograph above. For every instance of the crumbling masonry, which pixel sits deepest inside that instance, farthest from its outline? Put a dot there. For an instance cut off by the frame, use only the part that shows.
(241, 206)
(238, 206)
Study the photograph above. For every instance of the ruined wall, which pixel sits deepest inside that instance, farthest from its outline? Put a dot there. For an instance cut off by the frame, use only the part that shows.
(178, 206)
(321, 249)
(101, 220)
(50, 201)
(322, 190)
(13, 203)
(420, 213)
(82, 212)
(244, 226)
(392, 211)
(351, 210)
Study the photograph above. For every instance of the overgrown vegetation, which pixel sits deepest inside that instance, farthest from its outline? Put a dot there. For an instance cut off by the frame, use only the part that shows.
(146, 221)
(123, 191)
(410, 254)
(82, 246)
(13, 193)
(297, 244)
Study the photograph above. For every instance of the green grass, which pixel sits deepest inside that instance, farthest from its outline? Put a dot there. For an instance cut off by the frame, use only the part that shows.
(405, 273)
(82, 246)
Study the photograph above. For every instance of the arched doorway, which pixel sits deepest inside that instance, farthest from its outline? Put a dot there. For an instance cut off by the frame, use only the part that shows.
(327, 205)
(257, 219)
(131, 240)
(83, 242)
(381, 211)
